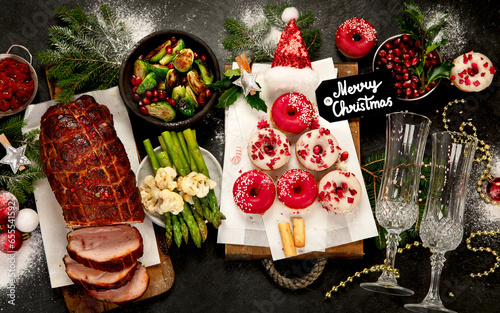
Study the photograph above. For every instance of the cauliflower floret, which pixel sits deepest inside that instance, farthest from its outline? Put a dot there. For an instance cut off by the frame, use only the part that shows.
(171, 202)
(164, 178)
(150, 194)
(196, 184)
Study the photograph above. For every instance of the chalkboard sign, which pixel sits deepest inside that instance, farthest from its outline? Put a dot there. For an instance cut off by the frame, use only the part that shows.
(356, 96)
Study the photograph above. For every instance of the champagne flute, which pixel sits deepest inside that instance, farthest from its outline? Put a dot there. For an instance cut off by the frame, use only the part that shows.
(441, 229)
(397, 202)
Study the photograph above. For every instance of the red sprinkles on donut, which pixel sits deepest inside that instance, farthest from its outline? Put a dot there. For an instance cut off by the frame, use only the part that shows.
(254, 192)
(355, 38)
(292, 113)
(269, 149)
(339, 192)
(317, 150)
(472, 72)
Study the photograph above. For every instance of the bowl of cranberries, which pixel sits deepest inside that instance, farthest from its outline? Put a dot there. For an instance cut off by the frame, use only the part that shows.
(400, 54)
(165, 79)
(18, 82)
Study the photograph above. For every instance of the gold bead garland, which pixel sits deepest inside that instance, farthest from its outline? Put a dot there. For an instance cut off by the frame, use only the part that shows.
(484, 249)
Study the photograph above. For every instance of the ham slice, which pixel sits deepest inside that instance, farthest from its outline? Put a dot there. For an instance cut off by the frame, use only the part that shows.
(105, 248)
(133, 290)
(96, 279)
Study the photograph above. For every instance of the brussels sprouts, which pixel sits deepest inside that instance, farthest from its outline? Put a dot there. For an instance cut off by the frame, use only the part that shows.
(206, 75)
(179, 45)
(160, 70)
(196, 84)
(188, 104)
(158, 53)
(161, 110)
(140, 69)
(172, 80)
(184, 60)
(178, 93)
(148, 83)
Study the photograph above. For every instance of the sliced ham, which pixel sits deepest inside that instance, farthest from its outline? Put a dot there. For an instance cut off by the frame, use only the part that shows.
(106, 248)
(133, 290)
(96, 279)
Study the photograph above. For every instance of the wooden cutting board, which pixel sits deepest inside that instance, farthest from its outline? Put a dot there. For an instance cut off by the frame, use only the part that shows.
(161, 276)
(352, 250)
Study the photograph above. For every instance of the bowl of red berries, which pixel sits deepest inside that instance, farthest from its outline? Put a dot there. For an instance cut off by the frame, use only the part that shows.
(165, 79)
(403, 57)
(18, 82)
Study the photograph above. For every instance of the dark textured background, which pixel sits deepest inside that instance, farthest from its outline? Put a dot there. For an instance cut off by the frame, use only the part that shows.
(205, 282)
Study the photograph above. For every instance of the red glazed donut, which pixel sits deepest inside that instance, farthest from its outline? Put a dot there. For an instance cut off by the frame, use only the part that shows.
(254, 192)
(297, 189)
(292, 113)
(348, 34)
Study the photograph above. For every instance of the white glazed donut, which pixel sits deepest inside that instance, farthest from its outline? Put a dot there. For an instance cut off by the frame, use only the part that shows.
(269, 149)
(317, 149)
(472, 72)
(339, 192)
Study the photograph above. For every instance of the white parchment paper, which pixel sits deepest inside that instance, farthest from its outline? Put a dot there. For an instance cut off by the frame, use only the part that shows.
(323, 229)
(52, 222)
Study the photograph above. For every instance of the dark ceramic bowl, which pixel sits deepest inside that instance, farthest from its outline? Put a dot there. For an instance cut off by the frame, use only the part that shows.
(148, 44)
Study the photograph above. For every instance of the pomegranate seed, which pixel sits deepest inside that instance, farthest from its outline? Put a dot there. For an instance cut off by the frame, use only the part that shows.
(134, 89)
(415, 61)
(406, 76)
(161, 95)
(137, 97)
(203, 57)
(407, 84)
(170, 65)
(382, 53)
(399, 77)
(405, 38)
(397, 69)
(414, 78)
(173, 40)
(397, 85)
(390, 57)
(388, 46)
(407, 63)
(201, 100)
(406, 56)
(414, 85)
(132, 81)
(208, 93)
(344, 156)
(397, 59)
(155, 99)
(146, 101)
(172, 102)
(411, 42)
(169, 49)
(408, 91)
(405, 70)
(149, 94)
(138, 81)
(140, 103)
(416, 94)
(411, 53)
(390, 65)
(196, 56)
(397, 41)
(155, 93)
(377, 68)
(397, 52)
(384, 60)
(184, 80)
(417, 44)
(399, 91)
(143, 110)
(378, 62)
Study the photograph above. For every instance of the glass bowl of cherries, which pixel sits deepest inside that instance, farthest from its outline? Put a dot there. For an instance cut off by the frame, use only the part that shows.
(402, 56)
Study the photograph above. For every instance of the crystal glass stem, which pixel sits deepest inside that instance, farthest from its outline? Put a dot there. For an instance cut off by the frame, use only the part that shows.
(437, 263)
(392, 243)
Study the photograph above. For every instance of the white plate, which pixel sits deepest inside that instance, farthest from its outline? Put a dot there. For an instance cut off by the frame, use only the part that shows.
(213, 167)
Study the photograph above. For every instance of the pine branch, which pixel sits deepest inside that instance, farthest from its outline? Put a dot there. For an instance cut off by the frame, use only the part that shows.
(87, 51)
(273, 13)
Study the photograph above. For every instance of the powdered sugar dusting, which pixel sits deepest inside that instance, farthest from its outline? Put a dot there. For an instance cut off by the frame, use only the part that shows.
(28, 261)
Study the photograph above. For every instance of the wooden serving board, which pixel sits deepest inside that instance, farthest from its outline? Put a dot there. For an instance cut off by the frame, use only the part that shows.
(352, 250)
(161, 276)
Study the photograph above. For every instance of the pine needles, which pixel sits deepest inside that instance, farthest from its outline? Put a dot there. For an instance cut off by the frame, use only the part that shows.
(254, 40)
(87, 51)
(372, 169)
(21, 183)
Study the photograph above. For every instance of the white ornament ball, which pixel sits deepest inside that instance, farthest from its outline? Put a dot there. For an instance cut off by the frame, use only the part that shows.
(289, 13)
(26, 220)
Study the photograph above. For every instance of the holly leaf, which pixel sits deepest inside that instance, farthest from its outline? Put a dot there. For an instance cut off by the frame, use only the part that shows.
(414, 11)
(256, 102)
(222, 84)
(441, 71)
(231, 73)
(410, 26)
(229, 97)
(419, 68)
(435, 38)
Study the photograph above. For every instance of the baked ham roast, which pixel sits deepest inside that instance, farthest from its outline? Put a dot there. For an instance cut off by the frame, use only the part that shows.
(96, 279)
(105, 248)
(87, 166)
(131, 291)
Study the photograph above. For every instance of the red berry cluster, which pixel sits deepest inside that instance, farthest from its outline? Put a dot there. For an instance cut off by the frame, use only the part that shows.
(398, 56)
(16, 84)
